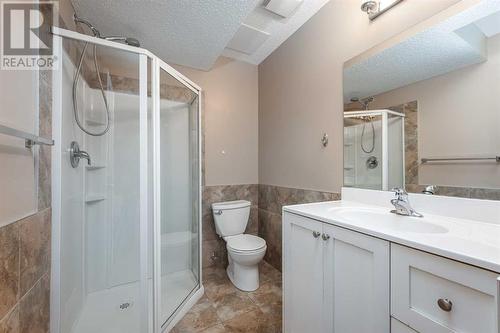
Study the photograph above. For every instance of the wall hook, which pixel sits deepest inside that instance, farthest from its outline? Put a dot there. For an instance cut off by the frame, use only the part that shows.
(324, 140)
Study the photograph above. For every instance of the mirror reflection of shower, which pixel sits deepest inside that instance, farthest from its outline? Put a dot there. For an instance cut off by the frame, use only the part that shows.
(373, 157)
(95, 33)
(366, 104)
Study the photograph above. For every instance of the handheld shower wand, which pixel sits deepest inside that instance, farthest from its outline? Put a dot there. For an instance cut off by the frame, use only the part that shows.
(366, 103)
(96, 33)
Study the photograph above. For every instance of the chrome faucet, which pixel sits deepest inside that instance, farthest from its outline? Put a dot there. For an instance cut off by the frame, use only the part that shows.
(430, 190)
(75, 154)
(402, 204)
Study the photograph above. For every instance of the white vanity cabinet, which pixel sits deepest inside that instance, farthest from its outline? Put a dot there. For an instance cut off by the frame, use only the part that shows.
(340, 281)
(302, 274)
(399, 327)
(335, 280)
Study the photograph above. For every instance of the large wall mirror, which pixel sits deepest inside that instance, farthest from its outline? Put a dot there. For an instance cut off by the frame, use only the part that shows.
(425, 110)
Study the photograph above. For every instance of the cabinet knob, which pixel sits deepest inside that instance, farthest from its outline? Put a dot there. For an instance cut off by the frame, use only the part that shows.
(445, 304)
(325, 237)
(316, 234)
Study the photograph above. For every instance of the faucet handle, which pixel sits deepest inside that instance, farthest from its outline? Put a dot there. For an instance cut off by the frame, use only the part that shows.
(400, 192)
(75, 154)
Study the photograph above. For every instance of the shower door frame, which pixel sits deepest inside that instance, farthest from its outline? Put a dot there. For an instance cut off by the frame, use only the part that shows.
(385, 140)
(145, 212)
(161, 325)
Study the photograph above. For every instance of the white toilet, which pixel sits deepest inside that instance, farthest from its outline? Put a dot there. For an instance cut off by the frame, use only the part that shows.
(244, 251)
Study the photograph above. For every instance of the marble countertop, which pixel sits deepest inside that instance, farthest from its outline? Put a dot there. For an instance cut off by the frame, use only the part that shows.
(471, 242)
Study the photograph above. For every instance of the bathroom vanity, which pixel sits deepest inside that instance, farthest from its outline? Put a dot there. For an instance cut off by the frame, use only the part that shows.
(409, 122)
(352, 266)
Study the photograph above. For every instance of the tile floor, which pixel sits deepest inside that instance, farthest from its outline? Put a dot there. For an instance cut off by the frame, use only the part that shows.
(225, 309)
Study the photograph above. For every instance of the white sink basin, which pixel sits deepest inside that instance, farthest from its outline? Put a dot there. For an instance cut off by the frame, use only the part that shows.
(386, 219)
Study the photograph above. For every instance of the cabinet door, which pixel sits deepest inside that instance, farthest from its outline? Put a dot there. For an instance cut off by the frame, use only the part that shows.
(356, 282)
(302, 274)
(399, 327)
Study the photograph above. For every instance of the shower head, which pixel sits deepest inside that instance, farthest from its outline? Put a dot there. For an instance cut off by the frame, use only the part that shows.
(364, 101)
(132, 42)
(127, 40)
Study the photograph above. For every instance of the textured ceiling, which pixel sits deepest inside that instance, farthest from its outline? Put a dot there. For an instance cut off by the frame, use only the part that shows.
(490, 25)
(185, 32)
(278, 28)
(455, 43)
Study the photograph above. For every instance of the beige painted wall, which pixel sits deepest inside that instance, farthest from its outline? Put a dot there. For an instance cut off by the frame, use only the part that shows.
(458, 115)
(231, 121)
(300, 90)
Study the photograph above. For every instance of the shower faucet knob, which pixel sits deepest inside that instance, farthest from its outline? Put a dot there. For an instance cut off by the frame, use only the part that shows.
(75, 154)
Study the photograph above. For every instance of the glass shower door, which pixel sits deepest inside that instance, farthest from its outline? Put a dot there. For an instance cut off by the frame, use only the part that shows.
(126, 226)
(179, 195)
(103, 211)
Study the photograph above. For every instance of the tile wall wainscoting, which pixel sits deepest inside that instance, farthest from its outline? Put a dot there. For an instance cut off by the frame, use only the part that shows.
(25, 274)
(271, 200)
(461, 192)
(264, 221)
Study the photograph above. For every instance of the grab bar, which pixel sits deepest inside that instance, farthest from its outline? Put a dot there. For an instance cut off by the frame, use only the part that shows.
(30, 139)
(496, 159)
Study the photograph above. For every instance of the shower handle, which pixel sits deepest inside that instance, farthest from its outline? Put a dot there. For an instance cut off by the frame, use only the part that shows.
(75, 154)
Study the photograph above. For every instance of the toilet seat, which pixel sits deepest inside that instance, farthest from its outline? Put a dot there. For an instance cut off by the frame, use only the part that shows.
(245, 243)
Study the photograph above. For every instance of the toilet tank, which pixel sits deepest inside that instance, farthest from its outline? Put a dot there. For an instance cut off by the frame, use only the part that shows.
(231, 217)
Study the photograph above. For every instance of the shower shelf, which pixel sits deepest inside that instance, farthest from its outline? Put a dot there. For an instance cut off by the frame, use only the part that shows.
(94, 198)
(94, 167)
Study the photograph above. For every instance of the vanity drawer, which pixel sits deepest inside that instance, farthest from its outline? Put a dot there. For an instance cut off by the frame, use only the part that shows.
(419, 280)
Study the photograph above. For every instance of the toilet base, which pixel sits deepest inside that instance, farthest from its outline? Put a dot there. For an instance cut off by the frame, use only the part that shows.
(243, 269)
(245, 278)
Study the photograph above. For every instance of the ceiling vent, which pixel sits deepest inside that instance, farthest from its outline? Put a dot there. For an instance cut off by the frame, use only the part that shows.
(248, 39)
(283, 8)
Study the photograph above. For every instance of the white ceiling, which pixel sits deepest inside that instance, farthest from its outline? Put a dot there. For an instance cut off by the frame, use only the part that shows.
(450, 45)
(184, 32)
(490, 25)
(196, 33)
(278, 28)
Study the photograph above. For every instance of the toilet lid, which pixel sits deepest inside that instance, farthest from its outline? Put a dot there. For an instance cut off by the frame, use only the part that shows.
(245, 243)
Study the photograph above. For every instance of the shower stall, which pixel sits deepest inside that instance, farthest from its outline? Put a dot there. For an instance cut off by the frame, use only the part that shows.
(374, 149)
(126, 173)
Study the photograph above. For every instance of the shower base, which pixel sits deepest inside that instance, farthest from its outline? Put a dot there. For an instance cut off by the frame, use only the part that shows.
(116, 310)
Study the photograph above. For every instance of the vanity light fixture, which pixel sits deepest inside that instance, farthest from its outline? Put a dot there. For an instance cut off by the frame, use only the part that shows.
(375, 8)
